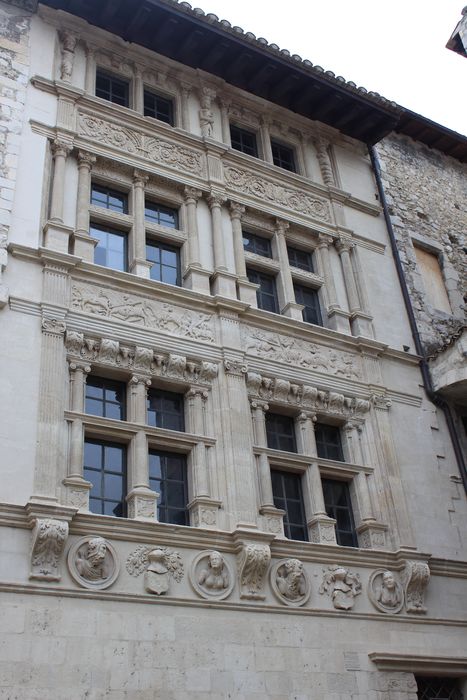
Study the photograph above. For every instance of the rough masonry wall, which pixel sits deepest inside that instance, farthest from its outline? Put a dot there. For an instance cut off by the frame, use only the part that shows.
(427, 197)
(14, 71)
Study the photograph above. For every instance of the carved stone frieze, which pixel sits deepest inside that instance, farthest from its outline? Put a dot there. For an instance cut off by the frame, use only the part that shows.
(135, 142)
(385, 591)
(253, 565)
(290, 583)
(142, 312)
(267, 190)
(417, 577)
(342, 586)
(211, 576)
(53, 326)
(159, 565)
(300, 353)
(93, 563)
(304, 396)
(48, 540)
(138, 359)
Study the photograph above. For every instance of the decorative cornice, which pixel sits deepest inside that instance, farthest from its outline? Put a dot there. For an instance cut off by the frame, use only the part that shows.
(415, 663)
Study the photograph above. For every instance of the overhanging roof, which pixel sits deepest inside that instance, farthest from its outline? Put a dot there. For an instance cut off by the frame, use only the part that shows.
(202, 41)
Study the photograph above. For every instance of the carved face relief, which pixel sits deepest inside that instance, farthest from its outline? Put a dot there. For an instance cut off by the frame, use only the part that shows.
(211, 575)
(385, 591)
(290, 583)
(93, 563)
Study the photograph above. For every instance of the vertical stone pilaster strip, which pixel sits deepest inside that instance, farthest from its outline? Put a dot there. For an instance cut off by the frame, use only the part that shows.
(191, 201)
(60, 151)
(344, 247)
(215, 202)
(236, 211)
(258, 411)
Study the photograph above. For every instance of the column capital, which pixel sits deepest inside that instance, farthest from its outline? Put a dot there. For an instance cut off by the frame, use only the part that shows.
(216, 199)
(303, 416)
(75, 366)
(324, 240)
(60, 147)
(265, 120)
(194, 391)
(257, 404)
(281, 226)
(192, 194)
(86, 159)
(140, 178)
(344, 245)
(236, 210)
(140, 379)
(186, 87)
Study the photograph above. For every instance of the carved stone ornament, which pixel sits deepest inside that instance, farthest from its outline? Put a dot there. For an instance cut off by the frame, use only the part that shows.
(140, 311)
(53, 326)
(304, 396)
(129, 140)
(146, 361)
(235, 367)
(342, 586)
(299, 353)
(159, 564)
(267, 190)
(93, 563)
(68, 41)
(253, 565)
(290, 583)
(417, 576)
(385, 591)
(48, 540)
(211, 576)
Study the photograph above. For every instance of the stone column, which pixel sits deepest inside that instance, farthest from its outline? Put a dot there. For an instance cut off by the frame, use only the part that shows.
(321, 528)
(83, 243)
(195, 276)
(223, 282)
(77, 488)
(343, 247)
(303, 164)
(90, 75)
(338, 319)
(324, 162)
(185, 107)
(203, 508)
(138, 90)
(141, 500)
(289, 307)
(266, 139)
(246, 290)
(225, 122)
(138, 264)
(56, 234)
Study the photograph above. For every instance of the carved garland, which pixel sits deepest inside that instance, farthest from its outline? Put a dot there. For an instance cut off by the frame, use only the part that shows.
(305, 397)
(139, 359)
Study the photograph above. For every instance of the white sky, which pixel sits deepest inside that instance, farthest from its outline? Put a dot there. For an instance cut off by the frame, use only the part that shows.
(396, 48)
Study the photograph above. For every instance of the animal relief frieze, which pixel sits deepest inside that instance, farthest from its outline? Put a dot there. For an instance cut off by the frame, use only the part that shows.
(134, 142)
(267, 190)
(299, 353)
(139, 311)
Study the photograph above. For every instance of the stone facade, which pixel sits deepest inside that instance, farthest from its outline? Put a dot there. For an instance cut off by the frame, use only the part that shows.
(271, 414)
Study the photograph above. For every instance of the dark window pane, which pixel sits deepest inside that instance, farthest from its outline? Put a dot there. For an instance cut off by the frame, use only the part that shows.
(109, 199)
(105, 467)
(338, 506)
(328, 442)
(171, 484)
(111, 88)
(243, 140)
(283, 484)
(310, 300)
(300, 258)
(165, 410)
(92, 455)
(266, 295)
(177, 517)
(158, 107)
(105, 397)
(160, 214)
(283, 156)
(280, 432)
(257, 244)
(432, 688)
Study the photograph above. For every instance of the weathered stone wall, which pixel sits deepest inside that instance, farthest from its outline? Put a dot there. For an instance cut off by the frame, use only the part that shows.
(14, 70)
(427, 197)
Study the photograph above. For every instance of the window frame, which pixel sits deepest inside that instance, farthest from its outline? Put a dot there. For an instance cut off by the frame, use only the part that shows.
(317, 320)
(109, 192)
(161, 209)
(160, 96)
(278, 161)
(274, 436)
(257, 241)
(103, 443)
(253, 272)
(154, 242)
(165, 394)
(110, 230)
(281, 502)
(244, 132)
(164, 506)
(306, 268)
(331, 509)
(111, 384)
(114, 77)
(338, 443)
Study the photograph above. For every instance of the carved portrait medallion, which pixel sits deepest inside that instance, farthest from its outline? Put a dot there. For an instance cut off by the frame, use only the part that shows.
(93, 563)
(385, 591)
(211, 576)
(289, 582)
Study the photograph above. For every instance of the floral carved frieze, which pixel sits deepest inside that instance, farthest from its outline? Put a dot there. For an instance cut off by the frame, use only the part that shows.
(135, 142)
(304, 396)
(267, 190)
(138, 359)
(139, 311)
(299, 353)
